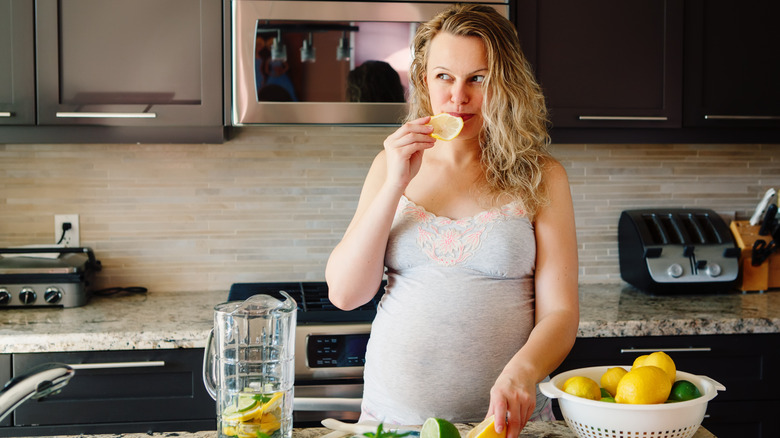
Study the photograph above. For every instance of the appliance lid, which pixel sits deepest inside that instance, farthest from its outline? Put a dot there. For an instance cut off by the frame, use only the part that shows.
(38, 260)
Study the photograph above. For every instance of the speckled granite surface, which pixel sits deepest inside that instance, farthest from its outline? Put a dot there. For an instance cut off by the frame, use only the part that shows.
(535, 429)
(183, 320)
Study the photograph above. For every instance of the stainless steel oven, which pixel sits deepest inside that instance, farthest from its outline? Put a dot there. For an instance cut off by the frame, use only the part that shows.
(324, 62)
(330, 347)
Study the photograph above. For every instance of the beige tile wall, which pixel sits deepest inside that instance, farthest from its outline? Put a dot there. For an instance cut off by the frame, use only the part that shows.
(271, 203)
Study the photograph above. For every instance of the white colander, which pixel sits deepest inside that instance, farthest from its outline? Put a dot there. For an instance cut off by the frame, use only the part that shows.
(597, 419)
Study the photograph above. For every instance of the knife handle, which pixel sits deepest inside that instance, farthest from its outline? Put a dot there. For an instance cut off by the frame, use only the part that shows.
(761, 207)
(768, 225)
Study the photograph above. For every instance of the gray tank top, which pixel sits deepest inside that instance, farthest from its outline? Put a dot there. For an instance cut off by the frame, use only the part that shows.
(459, 303)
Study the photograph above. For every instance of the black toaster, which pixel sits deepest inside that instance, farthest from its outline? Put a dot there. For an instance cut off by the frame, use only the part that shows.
(677, 251)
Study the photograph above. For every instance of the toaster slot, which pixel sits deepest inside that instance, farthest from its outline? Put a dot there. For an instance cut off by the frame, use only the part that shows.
(693, 229)
(700, 229)
(663, 229)
(713, 236)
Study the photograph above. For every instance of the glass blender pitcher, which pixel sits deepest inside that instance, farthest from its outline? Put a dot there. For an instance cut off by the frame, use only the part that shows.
(249, 366)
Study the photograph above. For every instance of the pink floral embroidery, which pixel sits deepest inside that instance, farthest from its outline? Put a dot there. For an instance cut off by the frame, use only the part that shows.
(449, 242)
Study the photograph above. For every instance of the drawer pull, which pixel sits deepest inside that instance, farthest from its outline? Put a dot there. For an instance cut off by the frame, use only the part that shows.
(628, 118)
(112, 365)
(327, 404)
(672, 350)
(735, 117)
(72, 115)
(5, 114)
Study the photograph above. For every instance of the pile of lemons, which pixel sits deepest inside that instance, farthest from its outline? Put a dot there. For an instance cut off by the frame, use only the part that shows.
(651, 380)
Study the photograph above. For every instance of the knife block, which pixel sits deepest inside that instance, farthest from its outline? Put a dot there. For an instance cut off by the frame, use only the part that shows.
(755, 278)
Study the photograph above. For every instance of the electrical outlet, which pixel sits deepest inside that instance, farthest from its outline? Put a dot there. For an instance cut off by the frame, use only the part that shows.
(71, 237)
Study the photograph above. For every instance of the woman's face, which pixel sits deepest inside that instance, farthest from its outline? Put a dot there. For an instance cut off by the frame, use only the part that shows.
(457, 66)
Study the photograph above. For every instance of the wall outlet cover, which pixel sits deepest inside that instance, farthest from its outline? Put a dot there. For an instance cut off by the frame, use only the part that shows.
(71, 237)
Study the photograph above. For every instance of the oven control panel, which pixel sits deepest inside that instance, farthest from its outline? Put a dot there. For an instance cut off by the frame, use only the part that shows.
(328, 351)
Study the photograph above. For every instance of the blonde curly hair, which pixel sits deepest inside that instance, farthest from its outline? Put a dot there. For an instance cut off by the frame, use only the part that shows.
(514, 135)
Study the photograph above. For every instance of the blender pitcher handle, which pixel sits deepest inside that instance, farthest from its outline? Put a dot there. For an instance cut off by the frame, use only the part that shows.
(208, 366)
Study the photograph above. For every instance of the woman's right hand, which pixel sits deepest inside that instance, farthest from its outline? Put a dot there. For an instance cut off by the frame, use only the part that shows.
(404, 150)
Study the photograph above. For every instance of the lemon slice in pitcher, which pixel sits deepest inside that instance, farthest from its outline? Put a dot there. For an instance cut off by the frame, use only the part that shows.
(445, 126)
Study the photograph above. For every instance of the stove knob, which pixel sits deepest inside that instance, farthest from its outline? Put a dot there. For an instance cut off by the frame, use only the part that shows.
(53, 295)
(5, 296)
(27, 295)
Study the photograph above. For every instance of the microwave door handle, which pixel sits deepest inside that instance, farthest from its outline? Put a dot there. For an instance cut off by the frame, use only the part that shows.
(327, 404)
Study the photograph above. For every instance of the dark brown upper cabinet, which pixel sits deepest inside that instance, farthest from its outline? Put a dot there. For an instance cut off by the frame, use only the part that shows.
(606, 63)
(17, 63)
(114, 70)
(732, 63)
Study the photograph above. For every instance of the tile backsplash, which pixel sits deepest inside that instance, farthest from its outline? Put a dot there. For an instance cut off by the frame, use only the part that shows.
(270, 204)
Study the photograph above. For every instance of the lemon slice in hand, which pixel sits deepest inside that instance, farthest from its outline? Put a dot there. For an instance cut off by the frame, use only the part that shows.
(445, 126)
(486, 429)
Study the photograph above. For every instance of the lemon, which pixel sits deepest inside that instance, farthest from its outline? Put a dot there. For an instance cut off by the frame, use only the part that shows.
(438, 428)
(647, 384)
(445, 126)
(485, 429)
(663, 361)
(639, 361)
(582, 386)
(235, 414)
(610, 379)
(683, 390)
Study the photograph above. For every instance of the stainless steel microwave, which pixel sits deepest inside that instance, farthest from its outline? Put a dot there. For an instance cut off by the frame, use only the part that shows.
(324, 62)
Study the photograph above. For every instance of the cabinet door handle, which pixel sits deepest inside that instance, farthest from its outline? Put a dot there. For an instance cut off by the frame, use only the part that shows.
(72, 115)
(737, 117)
(5, 114)
(672, 350)
(112, 365)
(627, 118)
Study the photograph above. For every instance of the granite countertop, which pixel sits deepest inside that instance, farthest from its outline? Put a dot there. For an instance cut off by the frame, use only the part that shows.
(183, 319)
(533, 429)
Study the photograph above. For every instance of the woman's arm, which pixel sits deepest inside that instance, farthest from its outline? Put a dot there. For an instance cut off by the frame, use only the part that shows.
(556, 308)
(355, 267)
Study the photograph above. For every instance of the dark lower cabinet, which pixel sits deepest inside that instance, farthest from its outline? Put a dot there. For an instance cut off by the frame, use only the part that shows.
(745, 364)
(121, 392)
(5, 375)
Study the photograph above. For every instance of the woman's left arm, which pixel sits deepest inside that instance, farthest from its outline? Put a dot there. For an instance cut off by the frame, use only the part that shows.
(513, 396)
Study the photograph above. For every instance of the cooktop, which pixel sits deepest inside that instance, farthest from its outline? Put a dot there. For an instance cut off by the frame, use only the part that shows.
(312, 298)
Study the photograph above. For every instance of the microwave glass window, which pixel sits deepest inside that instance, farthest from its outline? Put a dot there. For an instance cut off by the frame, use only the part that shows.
(316, 61)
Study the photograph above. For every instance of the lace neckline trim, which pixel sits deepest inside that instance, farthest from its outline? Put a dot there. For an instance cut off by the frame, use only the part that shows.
(489, 215)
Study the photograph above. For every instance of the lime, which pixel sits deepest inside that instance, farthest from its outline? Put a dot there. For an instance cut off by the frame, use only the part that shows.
(246, 402)
(438, 428)
(683, 390)
(485, 429)
(608, 399)
(605, 393)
